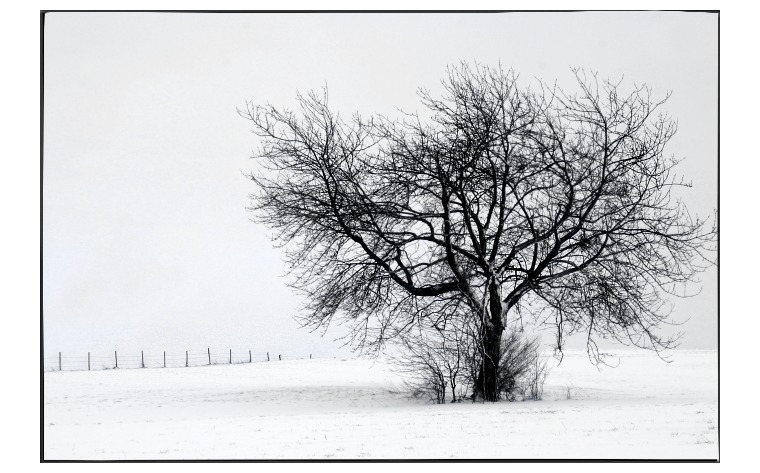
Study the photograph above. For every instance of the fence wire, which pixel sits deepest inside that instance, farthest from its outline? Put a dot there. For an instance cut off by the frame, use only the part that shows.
(144, 360)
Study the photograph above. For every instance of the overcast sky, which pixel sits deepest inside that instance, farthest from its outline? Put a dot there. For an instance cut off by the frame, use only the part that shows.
(147, 243)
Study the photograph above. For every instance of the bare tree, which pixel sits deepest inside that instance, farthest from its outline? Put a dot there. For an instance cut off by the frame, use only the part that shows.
(504, 199)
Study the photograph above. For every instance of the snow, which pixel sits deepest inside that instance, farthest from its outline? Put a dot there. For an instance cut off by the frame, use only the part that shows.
(358, 409)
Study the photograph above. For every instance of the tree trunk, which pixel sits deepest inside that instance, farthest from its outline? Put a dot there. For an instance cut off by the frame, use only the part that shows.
(487, 385)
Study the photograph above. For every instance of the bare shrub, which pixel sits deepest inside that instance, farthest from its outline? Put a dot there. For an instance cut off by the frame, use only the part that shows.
(434, 362)
(515, 365)
(522, 370)
(533, 379)
(444, 365)
(432, 387)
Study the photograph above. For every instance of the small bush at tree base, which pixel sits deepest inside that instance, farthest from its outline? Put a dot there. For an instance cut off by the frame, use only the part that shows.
(439, 363)
(434, 363)
(515, 365)
(522, 370)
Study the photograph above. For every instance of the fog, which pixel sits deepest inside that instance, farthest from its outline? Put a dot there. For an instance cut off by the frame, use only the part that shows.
(147, 243)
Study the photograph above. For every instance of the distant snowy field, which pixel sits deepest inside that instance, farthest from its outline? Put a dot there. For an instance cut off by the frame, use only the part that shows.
(357, 409)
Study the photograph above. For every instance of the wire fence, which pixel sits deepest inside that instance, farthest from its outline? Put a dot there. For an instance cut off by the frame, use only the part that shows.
(131, 360)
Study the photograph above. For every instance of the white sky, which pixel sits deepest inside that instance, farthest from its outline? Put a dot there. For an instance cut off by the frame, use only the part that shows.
(147, 243)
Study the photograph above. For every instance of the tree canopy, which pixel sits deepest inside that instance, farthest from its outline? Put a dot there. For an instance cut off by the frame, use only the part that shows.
(500, 199)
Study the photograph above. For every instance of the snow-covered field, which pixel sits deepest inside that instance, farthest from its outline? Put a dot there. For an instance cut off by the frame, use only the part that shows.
(357, 409)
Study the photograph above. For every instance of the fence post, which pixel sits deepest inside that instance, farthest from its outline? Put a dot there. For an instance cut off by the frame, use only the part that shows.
(230, 355)
(164, 358)
(59, 361)
(88, 361)
(250, 358)
(209, 355)
(280, 356)
(185, 358)
(267, 356)
(142, 359)
(116, 358)
(310, 356)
